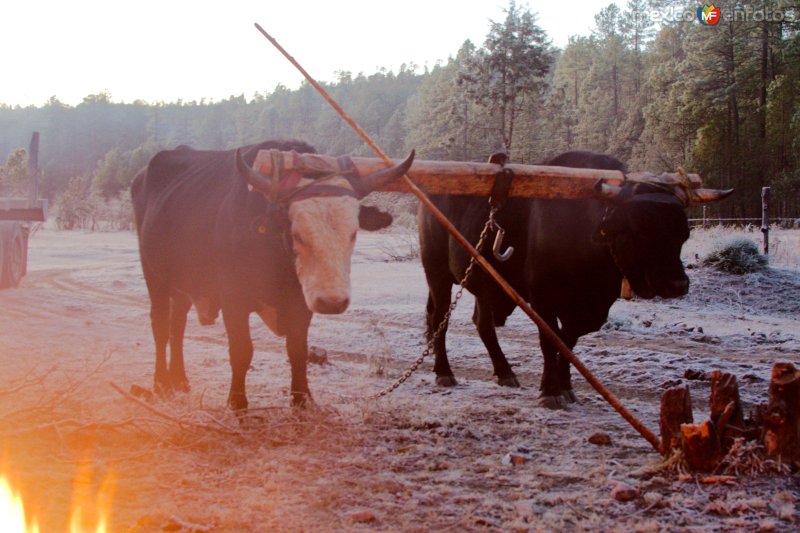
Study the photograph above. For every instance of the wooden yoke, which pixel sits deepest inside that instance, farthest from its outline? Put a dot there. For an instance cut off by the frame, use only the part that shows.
(477, 179)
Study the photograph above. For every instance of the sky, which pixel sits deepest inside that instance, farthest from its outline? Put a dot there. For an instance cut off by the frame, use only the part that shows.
(169, 50)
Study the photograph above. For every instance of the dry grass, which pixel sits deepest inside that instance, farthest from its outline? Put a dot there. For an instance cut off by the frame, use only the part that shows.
(181, 444)
(395, 465)
(403, 246)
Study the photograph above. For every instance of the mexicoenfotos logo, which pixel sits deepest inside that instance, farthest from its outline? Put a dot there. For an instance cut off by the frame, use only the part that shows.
(708, 15)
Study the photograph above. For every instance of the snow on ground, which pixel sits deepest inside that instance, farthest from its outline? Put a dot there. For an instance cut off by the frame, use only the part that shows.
(422, 458)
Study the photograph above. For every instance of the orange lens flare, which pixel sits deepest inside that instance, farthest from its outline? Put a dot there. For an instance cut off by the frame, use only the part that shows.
(90, 510)
(12, 511)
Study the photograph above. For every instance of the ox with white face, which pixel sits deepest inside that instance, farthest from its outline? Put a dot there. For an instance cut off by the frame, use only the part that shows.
(323, 234)
(324, 219)
(215, 232)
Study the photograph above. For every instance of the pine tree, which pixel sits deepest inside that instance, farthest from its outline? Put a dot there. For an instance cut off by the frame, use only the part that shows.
(508, 72)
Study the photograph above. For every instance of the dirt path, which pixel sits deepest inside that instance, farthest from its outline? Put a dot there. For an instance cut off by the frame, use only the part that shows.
(422, 459)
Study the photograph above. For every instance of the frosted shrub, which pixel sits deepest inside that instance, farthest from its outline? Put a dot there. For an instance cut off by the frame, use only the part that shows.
(82, 207)
(736, 255)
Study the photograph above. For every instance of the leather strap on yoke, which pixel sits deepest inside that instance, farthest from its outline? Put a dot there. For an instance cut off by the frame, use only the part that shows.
(285, 186)
(319, 191)
(502, 181)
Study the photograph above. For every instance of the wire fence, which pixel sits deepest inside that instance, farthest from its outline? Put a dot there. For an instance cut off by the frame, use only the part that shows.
(784, 223)
(764, 223)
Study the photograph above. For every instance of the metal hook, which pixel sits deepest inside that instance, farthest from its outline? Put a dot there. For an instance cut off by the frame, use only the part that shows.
(498, 243)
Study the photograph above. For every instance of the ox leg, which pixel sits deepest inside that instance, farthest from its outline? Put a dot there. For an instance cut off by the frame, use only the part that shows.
(564, 377)
(177, 326)
(297, 349)
(240, 349)
(551, 397)
(435, 311)
(159, 321)
(483, 318)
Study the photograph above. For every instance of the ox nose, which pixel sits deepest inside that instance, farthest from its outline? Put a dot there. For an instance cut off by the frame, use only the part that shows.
(331, 306)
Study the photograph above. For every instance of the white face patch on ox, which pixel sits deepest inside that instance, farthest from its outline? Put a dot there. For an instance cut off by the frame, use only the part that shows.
(323, 231)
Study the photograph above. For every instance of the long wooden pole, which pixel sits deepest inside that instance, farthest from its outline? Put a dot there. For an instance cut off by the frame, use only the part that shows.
(444, 221)
(477, 179)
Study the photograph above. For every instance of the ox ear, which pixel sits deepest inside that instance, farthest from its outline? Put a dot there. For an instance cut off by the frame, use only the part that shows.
(372, 219)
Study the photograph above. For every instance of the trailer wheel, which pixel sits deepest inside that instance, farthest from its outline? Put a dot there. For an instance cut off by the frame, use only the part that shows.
(15, 261)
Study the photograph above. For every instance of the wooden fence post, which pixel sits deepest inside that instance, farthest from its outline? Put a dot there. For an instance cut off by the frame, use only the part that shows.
(33, 170)
(765, 217)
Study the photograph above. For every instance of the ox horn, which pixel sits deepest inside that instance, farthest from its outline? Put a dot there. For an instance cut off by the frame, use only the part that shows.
(376, 180)
(709, 195)
(256, 179)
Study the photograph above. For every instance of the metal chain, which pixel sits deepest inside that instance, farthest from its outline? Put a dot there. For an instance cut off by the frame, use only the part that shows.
(487, 228)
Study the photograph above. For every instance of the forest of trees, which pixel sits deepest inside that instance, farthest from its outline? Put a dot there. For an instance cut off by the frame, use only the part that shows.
(658, 92)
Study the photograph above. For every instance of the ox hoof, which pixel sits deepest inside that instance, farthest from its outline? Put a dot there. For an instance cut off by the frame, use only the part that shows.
(162, 388)
(302, 399)
(508, 381)
(206, 320)
(237, 402)
(553, 402)
(180, 385)
(446, 381)
(143, 393)
(569, 396)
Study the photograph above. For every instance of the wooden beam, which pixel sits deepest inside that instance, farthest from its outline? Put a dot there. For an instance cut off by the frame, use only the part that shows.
(23, 214)
(17, 209)
(477, 179)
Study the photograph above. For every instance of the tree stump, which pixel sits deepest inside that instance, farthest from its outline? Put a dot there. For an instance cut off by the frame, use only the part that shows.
(782, 417)
(704, 445)
(726, 407)
(676, 409)
(701, 446)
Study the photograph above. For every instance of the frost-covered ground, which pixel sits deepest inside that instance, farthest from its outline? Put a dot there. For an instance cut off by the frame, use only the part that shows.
(421, 459)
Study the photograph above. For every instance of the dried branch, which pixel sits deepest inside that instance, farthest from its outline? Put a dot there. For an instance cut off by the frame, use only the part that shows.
(27, 381)
(183, 424)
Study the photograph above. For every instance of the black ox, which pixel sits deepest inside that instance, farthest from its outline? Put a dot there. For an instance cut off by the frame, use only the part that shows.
(217, 234)
(569, 261)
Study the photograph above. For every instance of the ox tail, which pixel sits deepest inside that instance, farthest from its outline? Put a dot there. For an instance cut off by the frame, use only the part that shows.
(137, 198)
